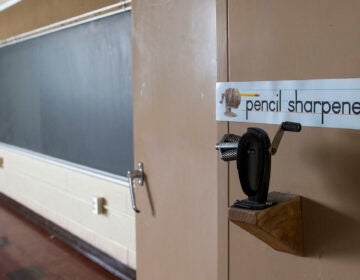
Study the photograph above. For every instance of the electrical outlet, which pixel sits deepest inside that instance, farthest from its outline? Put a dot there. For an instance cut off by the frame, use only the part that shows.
(98, 205)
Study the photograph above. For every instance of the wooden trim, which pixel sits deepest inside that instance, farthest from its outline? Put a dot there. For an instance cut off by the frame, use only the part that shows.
(120, 7)
(96, 255)
(222, 40)
(222, 128)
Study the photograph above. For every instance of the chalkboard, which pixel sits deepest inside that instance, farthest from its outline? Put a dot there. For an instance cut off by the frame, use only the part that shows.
(68, 94)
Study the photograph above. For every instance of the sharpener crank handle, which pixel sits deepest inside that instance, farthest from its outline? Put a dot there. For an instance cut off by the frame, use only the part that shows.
(285, 126)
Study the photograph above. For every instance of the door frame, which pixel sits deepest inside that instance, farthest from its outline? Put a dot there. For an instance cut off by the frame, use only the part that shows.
(222, 128)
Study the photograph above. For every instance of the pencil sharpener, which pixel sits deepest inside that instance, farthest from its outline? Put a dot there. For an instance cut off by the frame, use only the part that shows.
(252, 152)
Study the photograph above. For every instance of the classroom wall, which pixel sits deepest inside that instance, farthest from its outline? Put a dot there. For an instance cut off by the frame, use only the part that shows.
(60, 194)
(286, 40)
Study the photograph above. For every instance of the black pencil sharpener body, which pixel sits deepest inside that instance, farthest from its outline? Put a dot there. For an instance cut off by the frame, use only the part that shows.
(252, 152)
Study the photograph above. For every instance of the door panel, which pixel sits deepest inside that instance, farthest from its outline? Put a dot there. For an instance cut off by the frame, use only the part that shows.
(174, 56)
(283, 40)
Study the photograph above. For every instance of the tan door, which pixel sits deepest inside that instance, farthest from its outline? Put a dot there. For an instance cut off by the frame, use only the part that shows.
(174, 61)
(283, 40)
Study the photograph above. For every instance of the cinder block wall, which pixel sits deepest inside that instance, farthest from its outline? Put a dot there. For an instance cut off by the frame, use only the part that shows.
(63, 195)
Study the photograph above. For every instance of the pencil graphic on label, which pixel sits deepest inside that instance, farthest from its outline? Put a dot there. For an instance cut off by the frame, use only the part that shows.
(249, 94)
(233, 99)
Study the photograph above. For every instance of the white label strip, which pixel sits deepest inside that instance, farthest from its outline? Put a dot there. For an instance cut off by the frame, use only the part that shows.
(319, 103)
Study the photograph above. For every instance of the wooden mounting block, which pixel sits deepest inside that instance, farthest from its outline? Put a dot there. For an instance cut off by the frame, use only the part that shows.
(280, 226)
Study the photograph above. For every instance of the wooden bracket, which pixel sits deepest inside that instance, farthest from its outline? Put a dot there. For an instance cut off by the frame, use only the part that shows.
(1, 162)
(280, 226)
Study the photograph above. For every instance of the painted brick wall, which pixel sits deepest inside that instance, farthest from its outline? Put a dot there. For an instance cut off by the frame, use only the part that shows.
(63, 195)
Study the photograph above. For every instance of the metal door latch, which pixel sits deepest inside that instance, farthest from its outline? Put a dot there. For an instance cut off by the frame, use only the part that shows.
(137, 175)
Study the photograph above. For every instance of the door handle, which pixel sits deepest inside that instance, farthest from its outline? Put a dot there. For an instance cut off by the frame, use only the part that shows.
(137, 175)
